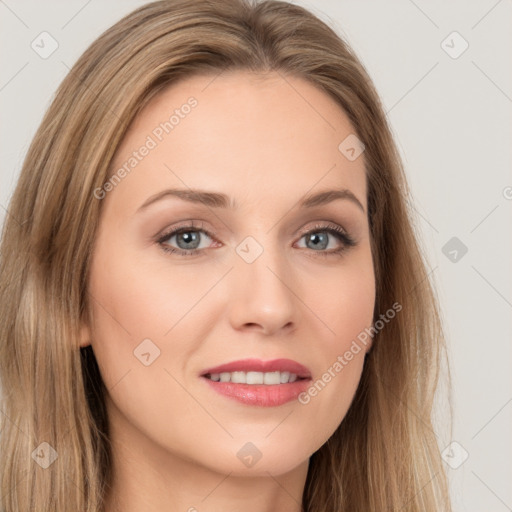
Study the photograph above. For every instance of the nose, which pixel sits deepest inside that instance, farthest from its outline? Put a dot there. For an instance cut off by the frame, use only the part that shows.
(262, 295)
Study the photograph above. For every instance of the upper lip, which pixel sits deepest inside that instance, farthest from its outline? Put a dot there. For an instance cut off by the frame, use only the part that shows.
(257, 365)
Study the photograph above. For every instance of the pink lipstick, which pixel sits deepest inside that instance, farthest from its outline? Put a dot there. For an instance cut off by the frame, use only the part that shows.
(261, 383)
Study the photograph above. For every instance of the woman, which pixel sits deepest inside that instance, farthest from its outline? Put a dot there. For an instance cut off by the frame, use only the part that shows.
(212, 293)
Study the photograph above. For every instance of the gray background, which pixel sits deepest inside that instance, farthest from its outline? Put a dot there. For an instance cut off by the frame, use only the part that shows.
(452, 121)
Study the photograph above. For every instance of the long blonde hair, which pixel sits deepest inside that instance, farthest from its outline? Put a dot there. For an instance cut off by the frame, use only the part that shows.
(384, 456)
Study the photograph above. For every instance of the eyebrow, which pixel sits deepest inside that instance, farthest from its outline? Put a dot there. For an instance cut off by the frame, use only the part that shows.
(220, 200)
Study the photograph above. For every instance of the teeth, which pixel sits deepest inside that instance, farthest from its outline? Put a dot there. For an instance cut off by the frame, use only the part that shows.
(238, 377)
(268, 378)
(254, 378)
(272, 378)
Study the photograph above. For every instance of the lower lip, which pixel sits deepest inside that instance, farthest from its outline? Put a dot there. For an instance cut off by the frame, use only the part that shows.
(260, 394)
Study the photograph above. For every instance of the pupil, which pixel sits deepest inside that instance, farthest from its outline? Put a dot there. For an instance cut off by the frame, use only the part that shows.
(190, 237)
(318, 241)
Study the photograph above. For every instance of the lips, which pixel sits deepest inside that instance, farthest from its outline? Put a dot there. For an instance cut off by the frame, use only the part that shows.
(257, 365)
(255, 382)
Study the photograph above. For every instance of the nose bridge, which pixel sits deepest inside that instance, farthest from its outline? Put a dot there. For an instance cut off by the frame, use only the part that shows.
(264, 292)
(261, 259)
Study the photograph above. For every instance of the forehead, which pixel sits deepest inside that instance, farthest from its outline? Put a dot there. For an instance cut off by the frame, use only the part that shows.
(249, 135)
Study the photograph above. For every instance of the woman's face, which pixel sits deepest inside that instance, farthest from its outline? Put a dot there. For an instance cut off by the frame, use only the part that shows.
(266, 279)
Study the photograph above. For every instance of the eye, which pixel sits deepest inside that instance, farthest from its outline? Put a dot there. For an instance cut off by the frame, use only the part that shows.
(318, 238)
(188, 239)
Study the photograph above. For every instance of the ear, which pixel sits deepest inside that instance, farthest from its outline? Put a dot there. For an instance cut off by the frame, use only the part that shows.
(85, 336)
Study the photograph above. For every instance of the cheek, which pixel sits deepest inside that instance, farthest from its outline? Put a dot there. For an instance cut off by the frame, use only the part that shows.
(352, 307)
(127, 309)
(134, 300)
(345, 302)
(346, 309)
(134, 308)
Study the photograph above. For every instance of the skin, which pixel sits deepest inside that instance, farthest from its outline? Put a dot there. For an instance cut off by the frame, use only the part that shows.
(265, 142)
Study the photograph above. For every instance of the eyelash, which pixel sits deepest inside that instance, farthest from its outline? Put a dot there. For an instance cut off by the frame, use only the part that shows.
(333, 229)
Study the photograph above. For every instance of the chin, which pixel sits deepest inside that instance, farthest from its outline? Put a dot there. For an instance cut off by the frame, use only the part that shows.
(253, 458)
